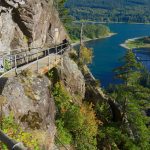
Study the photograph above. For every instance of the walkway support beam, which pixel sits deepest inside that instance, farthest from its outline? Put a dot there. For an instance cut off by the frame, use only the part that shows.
(56, 51)
(37, 62)
(48, 58)
(16, 64)
(4, 63)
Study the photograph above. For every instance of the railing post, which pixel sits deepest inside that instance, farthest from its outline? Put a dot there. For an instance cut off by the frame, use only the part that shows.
(56, 49)
(45, 53)
(37, 62)
(27, 59)
(61, 58)
(48, 59)
(16, 64)
(1, 115)
(56, 53)
(11, 63)
(70, 47)
(61, 49)
(4, 63)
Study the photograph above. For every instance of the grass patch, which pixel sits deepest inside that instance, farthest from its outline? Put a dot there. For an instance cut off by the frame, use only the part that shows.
(76, 124)
(13, 130)
(135, 44)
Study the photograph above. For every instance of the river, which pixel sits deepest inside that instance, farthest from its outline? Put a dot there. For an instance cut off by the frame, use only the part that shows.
(107, 52)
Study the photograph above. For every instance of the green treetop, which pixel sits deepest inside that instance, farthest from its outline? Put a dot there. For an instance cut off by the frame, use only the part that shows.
(130, 65)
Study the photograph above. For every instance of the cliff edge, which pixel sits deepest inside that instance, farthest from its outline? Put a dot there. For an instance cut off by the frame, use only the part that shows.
(29, 23)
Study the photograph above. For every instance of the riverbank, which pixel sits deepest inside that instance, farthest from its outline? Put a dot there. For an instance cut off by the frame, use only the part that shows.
(96, 22)
(101, 37)
(135, 43)
(107, 52)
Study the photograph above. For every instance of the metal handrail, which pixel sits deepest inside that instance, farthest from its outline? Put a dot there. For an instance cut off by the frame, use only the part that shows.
(30, 48)
(38, 53)
(13, 59)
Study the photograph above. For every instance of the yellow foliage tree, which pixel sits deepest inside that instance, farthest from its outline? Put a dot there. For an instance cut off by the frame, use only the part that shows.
(86, 55)
(14, 131)
(90, 124)
(85, 137)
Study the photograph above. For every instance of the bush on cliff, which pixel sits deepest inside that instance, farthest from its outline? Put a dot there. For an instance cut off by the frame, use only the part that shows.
(13, 130)
(86, 55)
(76, 125)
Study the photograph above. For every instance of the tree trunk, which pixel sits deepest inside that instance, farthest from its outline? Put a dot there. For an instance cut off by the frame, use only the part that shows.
(81, 41)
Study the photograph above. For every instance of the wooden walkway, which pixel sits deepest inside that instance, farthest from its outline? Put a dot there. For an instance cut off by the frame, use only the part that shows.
(40, 61)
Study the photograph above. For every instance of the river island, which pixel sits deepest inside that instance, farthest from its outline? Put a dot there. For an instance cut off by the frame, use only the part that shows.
(139, 42)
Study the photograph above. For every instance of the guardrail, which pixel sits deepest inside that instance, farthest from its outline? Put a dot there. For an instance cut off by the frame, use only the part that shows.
(14, 61)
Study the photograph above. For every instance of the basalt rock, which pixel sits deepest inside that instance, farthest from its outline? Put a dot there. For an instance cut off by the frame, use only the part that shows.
(29, 23)
(29, 98)
(72, 78)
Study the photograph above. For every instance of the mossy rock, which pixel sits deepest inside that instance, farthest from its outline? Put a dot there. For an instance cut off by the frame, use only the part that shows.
(3, 100)
(32, 119)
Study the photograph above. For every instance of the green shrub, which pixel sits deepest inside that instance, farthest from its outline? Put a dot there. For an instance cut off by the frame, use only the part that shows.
(86, 55)
(74, 119)
(13, 130)
(7, 64)
(77, 124)
(53, 75)
(62, 133)
(27, 73)
(85, 137)
(82, 123)
(90, 31)
(61, 97)
(73, 55)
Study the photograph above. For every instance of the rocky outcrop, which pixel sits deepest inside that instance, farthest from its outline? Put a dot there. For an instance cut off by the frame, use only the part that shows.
(29, 23)
(29, 98)
(96, 95)
(72, 77)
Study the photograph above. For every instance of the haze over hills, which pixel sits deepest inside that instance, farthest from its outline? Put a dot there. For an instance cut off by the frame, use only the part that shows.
(110, 10)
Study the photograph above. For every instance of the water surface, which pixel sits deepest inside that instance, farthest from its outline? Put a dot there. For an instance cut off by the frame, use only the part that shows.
(107, 52)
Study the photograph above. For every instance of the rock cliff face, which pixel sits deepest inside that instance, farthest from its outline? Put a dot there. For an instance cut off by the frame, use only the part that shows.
(72, 77)
(29, 23)
(29, 98)
(34, 23)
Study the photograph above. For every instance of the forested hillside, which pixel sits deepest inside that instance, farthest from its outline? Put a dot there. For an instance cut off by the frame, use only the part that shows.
(110, 10)
(91, 31)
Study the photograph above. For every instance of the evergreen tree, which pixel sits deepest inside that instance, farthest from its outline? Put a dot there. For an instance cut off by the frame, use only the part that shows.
(132, 98)
(63, 12)
(128, 68)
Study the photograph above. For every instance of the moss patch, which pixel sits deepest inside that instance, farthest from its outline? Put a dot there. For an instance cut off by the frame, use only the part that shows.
(32, 119)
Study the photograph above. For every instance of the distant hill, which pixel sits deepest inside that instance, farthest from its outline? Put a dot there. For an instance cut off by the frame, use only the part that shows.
(110, 10)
